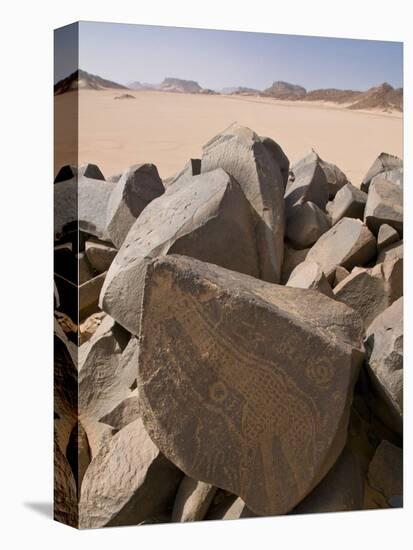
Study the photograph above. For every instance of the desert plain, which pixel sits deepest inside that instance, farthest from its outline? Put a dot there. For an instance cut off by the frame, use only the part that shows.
(167, 129)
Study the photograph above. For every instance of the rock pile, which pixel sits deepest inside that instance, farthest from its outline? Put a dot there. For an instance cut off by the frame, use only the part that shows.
(229, 341)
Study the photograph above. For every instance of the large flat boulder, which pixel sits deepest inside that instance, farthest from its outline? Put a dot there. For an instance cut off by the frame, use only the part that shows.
(349, 243)
(383, 163)
(384, 343)
(208, 218)
(241, 153)
(137, 187)
(128, 482)
(384, 205)
(306, 223)
(262, 416)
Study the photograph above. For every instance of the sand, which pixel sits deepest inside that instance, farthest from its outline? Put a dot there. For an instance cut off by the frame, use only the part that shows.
(169, 128)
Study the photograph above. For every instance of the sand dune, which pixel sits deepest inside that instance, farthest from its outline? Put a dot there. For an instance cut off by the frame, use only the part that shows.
(167, 129)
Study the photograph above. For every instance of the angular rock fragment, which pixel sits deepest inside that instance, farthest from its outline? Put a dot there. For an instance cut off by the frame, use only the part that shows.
(306, 223)
(228, 506)
(124, 413)
(340, 274)
(383, 163)
(387, 235)
(85, 270)
(137, 187)
(241, 153)
(191, 168)
(70, 171)
(384, 205)
(106, 370)
(347, 244)
(279, 156)
(336, 178)
(342, 489)
(384, 342)
(308, 274)
(308, 184)
(364, 290)
(394, 176)
(100, 255)
(81, 203)
(385, 473)
(127, 482)
(292, 258)
(65, 507)
(207, 218)
(192, 500)
(349, 202)
(262, 417)
(89, 295)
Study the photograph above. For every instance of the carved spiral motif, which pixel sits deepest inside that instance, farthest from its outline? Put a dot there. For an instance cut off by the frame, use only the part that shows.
(320, 371)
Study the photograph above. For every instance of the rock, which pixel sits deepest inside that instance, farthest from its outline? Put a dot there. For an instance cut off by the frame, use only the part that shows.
(392, 260)
(127, 482)
(384, 342)
(279, 156)
(306, 223)
(124, 413)
(292, 258)
(241, 153)
(70, 171)
(308, 274)
(191, 168)
(115, 178)
(229, 506)
(385, 473)
(394, 176)
(207, 218)
(383, 163)
(364, 290)
(100, 255)
(89, 295)
(106, 370)
(349, 202)
(89, 326)
(137, 187)
(384, 205)
(336, 179)
(387, 235)
(347, 244)
(80, 204)
(192, 500)
(391, 253)
(342, 490)
(309, 183)
(340, 275)
(85, 270)
(65, 507)
(262, 417)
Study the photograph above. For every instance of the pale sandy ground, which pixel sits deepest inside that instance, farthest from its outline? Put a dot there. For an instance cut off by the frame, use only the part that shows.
(167, 129)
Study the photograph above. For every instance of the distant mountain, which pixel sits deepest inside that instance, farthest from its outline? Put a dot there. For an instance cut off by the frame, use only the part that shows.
(285, 90)
(142, 86)
(383, 97)
(240, 90)
(82, 80)
(333, 94)
(180, 85)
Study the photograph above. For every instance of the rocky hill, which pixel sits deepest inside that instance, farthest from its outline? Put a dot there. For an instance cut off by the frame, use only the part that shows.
(82, 80)
(240, 90)
(332, 94)
(285, 90)
(180, 85)
(383, 97)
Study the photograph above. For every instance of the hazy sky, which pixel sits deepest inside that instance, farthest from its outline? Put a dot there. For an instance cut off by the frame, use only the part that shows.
(217, 59)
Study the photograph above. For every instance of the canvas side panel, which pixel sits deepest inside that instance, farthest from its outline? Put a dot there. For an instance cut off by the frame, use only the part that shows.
(66, 316)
